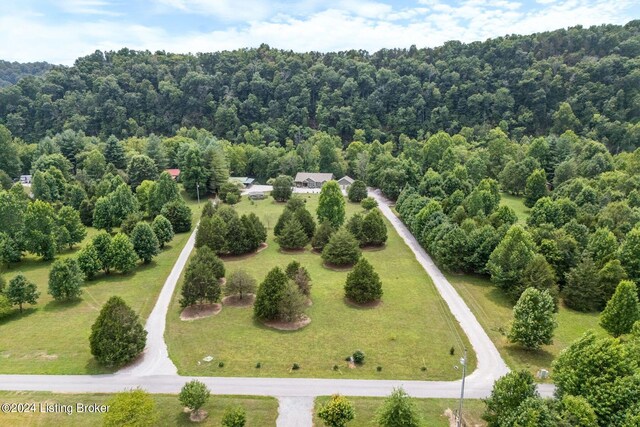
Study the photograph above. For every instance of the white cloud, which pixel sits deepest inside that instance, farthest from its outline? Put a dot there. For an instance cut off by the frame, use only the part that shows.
(86, 7)
(240, 10)
(357, 25)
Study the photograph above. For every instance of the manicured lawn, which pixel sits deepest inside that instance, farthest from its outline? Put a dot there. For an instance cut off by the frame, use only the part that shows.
(431, 410)
(411, 329)
(52, 337)
(261, 411)
(494, 311)
(517, 204)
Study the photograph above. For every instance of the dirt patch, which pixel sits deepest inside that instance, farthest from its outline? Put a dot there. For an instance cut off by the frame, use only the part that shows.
(235, 301)
(372, 304)
(222, 281)
(196, 416)
(316, 251)
(43, 355)
(374, 248)
(291, 251)
(288, 326)
(334, 267)
(261, 248)
(199, 311)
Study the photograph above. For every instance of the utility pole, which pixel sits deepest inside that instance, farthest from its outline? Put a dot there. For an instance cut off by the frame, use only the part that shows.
(463, 362)
(198, 191)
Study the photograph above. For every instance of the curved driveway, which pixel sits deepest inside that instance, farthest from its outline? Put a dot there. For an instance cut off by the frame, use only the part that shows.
(156, 373)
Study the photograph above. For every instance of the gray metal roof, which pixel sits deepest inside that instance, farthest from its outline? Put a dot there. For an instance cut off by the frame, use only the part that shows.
(313, 176)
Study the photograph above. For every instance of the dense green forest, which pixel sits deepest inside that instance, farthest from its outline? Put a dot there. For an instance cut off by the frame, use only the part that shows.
(11, 72)
(516, 82)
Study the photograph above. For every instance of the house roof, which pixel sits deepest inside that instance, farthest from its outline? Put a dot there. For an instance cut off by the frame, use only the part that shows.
(242, 179)
(314, 176)
(347, 178)
(173, 172)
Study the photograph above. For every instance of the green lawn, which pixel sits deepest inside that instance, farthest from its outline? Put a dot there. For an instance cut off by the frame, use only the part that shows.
(52, 337)
(517, 204)
(411, 329)
(431, 410)
(494, 311)
(261, 411)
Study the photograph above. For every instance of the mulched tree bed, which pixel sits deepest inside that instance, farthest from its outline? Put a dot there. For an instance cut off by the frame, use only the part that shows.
(200, 311)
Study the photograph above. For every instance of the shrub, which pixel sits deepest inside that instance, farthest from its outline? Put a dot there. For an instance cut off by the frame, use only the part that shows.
(398, 410)
(6, 307)
(117, 336)
(342, 249)
(135, 408)
(234, 417)
(358, 357)
(194, 395)
(240, 283)
(232, 198)
(369, 203)
(337, 412)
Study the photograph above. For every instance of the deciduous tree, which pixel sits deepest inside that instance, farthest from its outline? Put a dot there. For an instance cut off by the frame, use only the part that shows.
(21, 291)
(533, 319)
(337, 412)
(65, 279)
(622, 310)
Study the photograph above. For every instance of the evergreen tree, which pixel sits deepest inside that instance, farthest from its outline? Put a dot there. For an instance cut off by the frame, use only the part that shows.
(219, 169)
(165, 190)
(145, 242)
(282, 188)
(270, 292)
(155, 152)
(322, 236)
(354, 225)
(538, 274)
(201, 278)
(193, 174)
(622, 310)
(236, 237)
(40, 229)
(178, 214)
(535, 188)
(357, 191)
(212, 232)
(259, 230)
(374, 230)
(398, 410)
(337, 412)
(117, 336)
(123, 255)
(292, 235)
(331, 204)
(114, 153)
(130, 223)
(342, 249)
(141, 168)
(533, 319)
(123, 203)
(306, 221)
(510, 258)
(363, 283)
(21, 291)
(89, 261)
(284, 218)
(291, 304)
(86, 212)
(162, 229)
(581, 291)
(65, 279)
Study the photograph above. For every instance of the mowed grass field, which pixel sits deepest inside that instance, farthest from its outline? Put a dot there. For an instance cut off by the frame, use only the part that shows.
(261, 411)
(53, 337)
(431, 411)
(411, 329)
(494, 311)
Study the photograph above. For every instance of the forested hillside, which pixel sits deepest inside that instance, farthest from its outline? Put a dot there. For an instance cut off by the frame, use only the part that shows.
(517, 82)
(11, 72)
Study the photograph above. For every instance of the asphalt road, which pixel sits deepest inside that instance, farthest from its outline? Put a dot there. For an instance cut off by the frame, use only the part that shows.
(156, 373)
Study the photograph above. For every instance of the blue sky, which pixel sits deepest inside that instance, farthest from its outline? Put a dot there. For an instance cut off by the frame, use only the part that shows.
(59, 31)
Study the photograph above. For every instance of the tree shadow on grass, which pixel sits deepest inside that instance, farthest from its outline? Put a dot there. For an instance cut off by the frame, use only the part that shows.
(55, 306)
(17, 315)
(92, 367)
(536, 358)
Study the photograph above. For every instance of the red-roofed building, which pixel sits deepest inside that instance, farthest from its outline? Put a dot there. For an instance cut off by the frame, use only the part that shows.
(175, 173)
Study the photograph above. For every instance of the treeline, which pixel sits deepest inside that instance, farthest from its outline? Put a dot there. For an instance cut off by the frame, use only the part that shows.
(584, 79)
(12, 72)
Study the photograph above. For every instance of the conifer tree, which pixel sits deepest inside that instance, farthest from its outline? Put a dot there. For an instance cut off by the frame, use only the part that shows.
(363, 283)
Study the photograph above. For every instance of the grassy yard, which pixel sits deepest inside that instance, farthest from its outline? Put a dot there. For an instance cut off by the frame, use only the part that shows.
(53, 337)
(411, 329)
(431, 410)
(261, 411)
(494, 311)
(517, 204)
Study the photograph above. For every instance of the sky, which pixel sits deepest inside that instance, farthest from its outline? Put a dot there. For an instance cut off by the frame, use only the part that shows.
(59, 31)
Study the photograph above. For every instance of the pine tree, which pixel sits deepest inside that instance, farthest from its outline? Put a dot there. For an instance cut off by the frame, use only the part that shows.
(322, 236)
(193, 174)
(582, 290)
(145, 242)
(65, 279)
(201, 278)
(123, 254)
(533, 319)
(164, 190)
(622, 310)
(284, 217)
(331, 204)
(269, 295)
(114, 153)
(374, 230)
(21, 291)
(363, 283)
(342, 249)
(155, 152)
(306, 221)
(219, 169)
(398, 410)
(292, 235)
(117, 336)
(162, 229)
